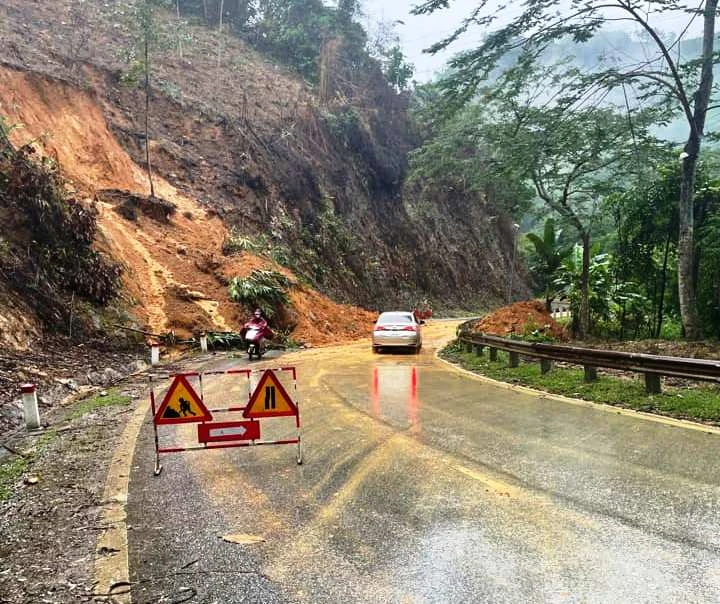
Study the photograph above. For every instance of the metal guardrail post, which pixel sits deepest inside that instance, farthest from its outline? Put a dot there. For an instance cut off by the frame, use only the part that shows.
(652, 383)
(653, 367)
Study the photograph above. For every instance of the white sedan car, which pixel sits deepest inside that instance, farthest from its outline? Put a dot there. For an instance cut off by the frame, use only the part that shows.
(397, 329)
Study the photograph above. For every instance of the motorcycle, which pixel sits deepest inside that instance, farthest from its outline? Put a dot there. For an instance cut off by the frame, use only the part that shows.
(255, 336)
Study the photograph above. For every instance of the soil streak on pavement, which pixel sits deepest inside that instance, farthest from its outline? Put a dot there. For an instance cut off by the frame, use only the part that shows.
(423, 485)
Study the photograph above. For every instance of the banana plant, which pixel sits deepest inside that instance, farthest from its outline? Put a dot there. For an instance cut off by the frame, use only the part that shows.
(550, 255)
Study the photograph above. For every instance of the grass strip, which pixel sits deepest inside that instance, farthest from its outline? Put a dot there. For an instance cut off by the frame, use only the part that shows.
(10, 473)
(697, 402)
(88, 405)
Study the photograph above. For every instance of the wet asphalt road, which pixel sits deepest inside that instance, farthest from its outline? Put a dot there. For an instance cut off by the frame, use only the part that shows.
(421, 484)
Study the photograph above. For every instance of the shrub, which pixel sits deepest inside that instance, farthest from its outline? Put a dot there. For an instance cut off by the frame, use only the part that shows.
(236, 243)
(267, 290)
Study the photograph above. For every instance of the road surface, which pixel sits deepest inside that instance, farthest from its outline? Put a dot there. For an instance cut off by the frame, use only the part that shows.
(422, 484)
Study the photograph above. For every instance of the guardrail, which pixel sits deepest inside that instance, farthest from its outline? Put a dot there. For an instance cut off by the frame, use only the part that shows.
(653, 367)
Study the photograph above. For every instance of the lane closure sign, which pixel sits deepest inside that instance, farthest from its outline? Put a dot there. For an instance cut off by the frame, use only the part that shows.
(270, 399)
(182, 405)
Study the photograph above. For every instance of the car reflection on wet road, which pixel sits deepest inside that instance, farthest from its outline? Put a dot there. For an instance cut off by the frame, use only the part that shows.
(421, 484)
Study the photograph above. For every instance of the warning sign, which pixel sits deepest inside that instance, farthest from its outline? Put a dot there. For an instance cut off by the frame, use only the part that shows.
(182, 405)
(270, 399)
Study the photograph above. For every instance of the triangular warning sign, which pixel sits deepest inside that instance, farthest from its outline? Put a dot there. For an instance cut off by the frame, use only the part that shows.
(270, 399)
(182, 405)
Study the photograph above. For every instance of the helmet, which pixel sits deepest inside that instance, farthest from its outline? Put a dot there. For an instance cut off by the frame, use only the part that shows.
(258, 313)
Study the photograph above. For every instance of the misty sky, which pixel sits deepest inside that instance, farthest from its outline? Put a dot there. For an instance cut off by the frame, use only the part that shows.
(417, 33)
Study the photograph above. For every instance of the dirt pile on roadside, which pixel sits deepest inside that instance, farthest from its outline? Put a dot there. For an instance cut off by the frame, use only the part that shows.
(520, 319)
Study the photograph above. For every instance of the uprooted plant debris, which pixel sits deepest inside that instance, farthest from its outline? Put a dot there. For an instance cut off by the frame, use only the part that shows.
(128, 205)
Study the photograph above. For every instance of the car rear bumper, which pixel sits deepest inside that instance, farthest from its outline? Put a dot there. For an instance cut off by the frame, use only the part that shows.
(395, 339)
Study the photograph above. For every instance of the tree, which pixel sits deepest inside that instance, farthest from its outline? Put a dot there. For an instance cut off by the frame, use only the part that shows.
(396, 68)
(147, 36)
(459, 155)
(646, 221)
(550, 254)
(685, 86)
(571, 157)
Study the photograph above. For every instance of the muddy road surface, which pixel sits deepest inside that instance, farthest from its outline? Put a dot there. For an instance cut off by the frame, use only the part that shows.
(423, 484)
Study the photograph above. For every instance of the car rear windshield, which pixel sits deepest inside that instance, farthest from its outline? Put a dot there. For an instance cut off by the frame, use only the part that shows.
(394, 319)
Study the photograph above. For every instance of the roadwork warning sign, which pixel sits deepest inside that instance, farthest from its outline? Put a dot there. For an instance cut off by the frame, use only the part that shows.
(182, 405)
(270, 399)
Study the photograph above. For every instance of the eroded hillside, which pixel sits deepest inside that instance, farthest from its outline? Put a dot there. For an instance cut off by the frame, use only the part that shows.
(240, 143)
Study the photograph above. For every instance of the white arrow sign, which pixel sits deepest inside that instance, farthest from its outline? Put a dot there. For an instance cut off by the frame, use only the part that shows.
(220, 432)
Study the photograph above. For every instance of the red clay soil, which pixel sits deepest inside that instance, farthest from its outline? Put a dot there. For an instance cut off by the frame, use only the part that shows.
(521, 318)
(175, 272)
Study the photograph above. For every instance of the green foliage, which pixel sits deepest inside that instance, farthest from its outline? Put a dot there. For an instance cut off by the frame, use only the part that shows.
(224, 340)
(345, 126)
(549, 256)
(58, 255)
(267, 290)
(293, 31)
(699, 403)
(645, 250)
(666, 86)
(112, 399)
(397, 69)
(148, 33)
(459, 156)
(237, 243)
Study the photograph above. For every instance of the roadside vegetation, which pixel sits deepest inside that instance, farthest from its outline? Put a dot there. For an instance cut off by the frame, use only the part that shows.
(111, 398)
(267, 290)
(698, 403)
(633, 240)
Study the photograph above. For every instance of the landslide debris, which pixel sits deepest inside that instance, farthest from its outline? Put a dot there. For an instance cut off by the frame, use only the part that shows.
(522, 319)
(321, 176)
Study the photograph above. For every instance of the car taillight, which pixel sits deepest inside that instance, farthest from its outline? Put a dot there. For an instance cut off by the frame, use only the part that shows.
(410, 328)
(380, 328)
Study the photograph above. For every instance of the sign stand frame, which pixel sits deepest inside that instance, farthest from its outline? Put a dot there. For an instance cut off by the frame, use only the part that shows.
(223, 445)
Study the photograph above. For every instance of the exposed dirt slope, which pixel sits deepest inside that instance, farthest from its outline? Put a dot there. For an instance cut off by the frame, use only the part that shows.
(250, 140)
(175, 270)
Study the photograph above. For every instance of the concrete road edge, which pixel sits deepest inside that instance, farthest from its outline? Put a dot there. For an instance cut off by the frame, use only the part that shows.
(112, 572)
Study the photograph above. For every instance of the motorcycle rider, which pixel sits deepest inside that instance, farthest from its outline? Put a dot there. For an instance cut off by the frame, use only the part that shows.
(258, 322)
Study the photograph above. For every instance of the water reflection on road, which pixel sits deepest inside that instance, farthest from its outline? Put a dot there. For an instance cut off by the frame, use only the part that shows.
(394, 395)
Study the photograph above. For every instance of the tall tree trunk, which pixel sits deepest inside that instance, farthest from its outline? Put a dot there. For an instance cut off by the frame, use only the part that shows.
(179, 33)
(663, 285)
(585, 288)
(147, 114)
(219, 47)
(686, 244)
